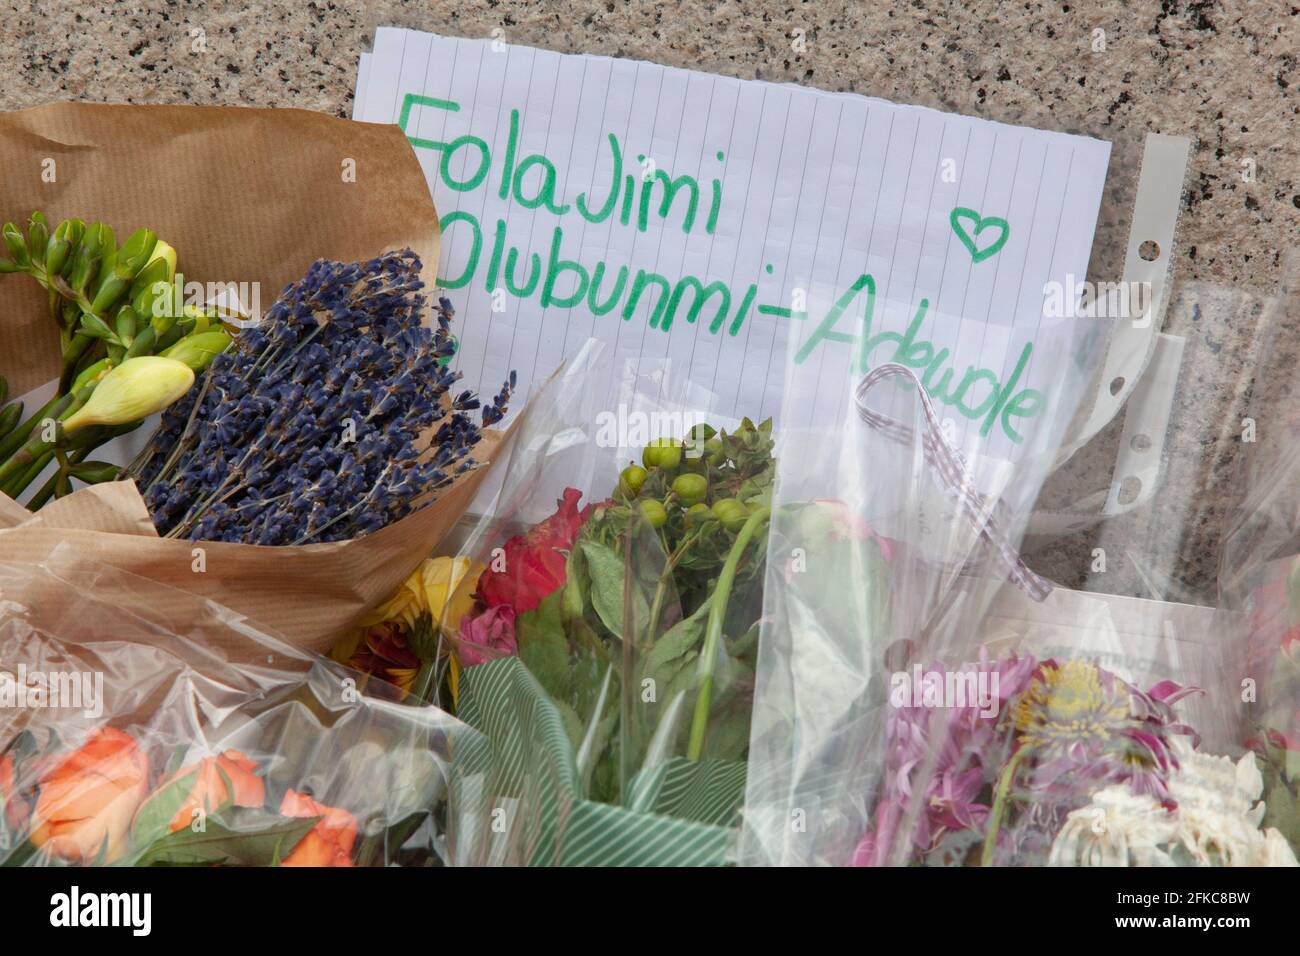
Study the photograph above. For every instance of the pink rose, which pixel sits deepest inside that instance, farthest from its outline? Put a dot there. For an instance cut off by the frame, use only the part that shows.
(488, 636)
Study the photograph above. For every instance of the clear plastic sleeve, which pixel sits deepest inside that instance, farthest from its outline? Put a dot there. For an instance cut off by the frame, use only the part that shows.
(912, 707)
(609, 649)
(1260, 577)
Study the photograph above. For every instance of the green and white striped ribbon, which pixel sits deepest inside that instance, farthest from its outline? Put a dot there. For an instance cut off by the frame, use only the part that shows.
(518, 782)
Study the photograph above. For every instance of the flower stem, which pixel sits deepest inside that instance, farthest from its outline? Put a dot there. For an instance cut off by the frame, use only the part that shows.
(713, 635)
(422, 686)
(999, 806)
(51, 409)
(661, 589)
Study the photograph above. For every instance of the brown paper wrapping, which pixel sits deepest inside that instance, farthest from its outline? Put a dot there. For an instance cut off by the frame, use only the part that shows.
(243, 195)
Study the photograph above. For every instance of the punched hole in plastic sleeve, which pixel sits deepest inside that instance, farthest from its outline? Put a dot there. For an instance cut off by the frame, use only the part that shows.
(1147, 260)
(947, 467)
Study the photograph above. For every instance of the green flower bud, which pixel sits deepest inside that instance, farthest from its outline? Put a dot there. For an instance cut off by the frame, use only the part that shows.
(16, 244)
(71, 230)
(38, 238)
(135, 253)
(92, 373)
(198, 350)
(164, 253)
(111, 289)
(96, 327)
(56, 255)
(134, 390)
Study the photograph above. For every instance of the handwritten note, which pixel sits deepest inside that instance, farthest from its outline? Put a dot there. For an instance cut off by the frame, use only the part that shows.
(773, 241)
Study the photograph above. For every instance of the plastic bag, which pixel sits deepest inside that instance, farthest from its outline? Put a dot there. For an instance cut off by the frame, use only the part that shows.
(132, 736)
(1260, 576)
(899, 721)
(608, 655)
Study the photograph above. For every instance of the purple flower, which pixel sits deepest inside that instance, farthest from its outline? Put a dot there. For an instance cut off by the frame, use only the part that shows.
(966, 745)
(313, 426)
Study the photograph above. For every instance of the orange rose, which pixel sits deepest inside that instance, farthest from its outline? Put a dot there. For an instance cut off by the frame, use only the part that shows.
(329, 842)
(88, 798)
(209, 790)
(16, 809)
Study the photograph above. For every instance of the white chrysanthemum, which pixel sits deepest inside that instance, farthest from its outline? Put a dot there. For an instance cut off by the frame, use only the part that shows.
(1274, 850)
(1118, 828)
(1219, 810)
(1216, 823)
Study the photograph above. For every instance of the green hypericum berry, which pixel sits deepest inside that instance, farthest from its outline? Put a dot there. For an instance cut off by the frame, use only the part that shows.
(654, 513)
(631, 479)
(690, 488)
(731, 513)
(665, 453)
(697, 513)
(713, 452)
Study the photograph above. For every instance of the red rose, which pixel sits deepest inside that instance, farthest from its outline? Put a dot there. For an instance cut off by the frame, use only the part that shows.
(534, 562)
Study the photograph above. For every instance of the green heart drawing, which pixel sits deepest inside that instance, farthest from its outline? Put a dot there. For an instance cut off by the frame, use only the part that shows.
(981, 223)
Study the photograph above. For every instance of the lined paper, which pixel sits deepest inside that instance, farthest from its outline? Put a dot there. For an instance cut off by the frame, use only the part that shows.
(815, 192)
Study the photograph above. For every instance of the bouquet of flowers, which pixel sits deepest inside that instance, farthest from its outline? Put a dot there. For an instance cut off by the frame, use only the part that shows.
(185, 736)
(895, 725)
(329, 421)
(604, 644)
(1059, 762)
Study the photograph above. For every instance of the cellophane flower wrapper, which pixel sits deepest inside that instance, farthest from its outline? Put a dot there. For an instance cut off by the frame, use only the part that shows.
(199, 738)
(1260, 574)
(848, 601)
(581, 659)
(908, 710)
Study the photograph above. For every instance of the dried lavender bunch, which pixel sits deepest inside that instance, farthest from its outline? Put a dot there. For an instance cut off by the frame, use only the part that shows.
(308, 428)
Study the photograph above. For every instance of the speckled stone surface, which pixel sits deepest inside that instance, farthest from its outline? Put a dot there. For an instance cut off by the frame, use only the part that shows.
(1224, 73)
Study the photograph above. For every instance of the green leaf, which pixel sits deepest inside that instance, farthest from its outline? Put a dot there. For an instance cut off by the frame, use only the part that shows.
(153, 819)
(607, 577)
(242, 837)
(1291, 765)
(728, 736)
(577, 584)
(21, 747)
(381, 848)
(543, 645)
(21, 854)
(686, 635)
(1281, 811)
